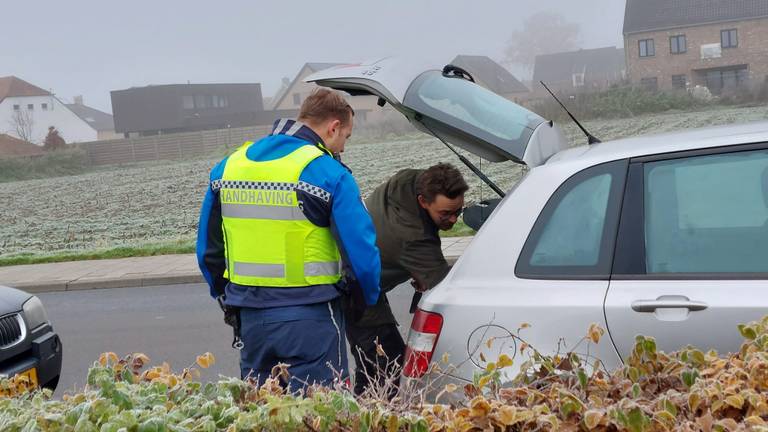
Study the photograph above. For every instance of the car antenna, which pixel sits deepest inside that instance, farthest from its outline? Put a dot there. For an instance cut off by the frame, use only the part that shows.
(590, 138)
(464, 160)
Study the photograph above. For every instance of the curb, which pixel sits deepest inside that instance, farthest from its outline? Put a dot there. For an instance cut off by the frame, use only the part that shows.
(93, 283)
(107, 283)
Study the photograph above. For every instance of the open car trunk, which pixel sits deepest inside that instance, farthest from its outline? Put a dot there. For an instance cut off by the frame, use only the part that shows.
(451, 108)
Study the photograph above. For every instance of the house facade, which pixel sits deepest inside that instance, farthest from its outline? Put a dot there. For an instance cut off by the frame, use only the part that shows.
(27, 111)
(679, 44)
(366, 109)
(585, 70)
(103, 123)
(165, 109)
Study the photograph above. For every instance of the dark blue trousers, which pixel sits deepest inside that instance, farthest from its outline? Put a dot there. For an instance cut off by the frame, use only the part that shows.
(309, 338)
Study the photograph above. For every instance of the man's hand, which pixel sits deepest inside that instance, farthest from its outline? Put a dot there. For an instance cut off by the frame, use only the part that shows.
(418, 284)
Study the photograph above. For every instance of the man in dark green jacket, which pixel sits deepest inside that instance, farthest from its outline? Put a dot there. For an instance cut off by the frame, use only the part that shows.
(408, 211)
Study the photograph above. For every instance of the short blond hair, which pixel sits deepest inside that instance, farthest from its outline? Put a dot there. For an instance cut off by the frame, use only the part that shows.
(323, 105)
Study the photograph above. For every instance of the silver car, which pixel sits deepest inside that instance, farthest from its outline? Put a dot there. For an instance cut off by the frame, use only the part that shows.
(662, 235)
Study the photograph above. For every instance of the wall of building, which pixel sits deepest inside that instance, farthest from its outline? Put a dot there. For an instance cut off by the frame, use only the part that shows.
(71, 127)
(179, 107)
(752, 50)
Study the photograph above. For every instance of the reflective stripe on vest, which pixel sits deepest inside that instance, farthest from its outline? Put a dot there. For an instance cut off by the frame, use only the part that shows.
(278, 270)
(267, 238)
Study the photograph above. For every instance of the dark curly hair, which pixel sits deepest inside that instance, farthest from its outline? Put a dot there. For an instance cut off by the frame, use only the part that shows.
(440, 179)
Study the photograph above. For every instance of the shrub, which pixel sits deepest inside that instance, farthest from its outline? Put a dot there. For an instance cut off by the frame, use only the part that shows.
(687, 390)
(52, 164)
(616, 102)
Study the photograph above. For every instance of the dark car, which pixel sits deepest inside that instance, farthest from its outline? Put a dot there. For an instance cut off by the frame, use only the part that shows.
(28, 344)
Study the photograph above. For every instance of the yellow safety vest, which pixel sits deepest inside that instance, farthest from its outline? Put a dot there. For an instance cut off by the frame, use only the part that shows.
(268, 240)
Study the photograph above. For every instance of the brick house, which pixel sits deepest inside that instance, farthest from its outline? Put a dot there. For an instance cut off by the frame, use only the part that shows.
(678, 44)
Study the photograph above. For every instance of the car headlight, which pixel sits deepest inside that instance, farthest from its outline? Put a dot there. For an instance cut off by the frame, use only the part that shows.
(34, 312)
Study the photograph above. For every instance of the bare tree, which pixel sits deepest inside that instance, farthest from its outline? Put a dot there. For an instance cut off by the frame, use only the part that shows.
(22, 123)
(542, 33)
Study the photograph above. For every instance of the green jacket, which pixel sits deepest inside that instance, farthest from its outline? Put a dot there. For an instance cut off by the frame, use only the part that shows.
(407, 238)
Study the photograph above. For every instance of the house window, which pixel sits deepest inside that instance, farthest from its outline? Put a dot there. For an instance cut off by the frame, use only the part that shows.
(677, 44)
(44, 106)
(220, 101)
(188, 102)
(729, 38)
(578, 80)
(679, 81)
(650, 84)
(296, 99)
(201, 101)
(30, 106)
(727, 78)
(647, 48)
(16, 107)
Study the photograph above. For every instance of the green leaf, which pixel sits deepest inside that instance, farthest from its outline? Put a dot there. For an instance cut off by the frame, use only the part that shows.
(583, 380)
(420, 425)
(636, 390)
(152, 425)
(365, 421)
(637, 420)
(670, 407)
(689, 377)
(122, 400)
(634, 374)
(127, 376)
(698, 357)
(649, 345)
(747, 331)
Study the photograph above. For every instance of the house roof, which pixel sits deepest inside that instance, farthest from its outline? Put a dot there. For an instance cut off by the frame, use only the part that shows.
(646, 15)
(14, 147)
(491, 74)
(10, 86)
(599, 64)
(98, 120)
(313, 67)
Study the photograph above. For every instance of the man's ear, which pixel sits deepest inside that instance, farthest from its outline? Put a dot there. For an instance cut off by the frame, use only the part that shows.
(422, 201)
(334, 127)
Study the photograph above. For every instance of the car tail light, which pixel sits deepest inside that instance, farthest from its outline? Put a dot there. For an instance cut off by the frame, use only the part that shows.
(422, 340)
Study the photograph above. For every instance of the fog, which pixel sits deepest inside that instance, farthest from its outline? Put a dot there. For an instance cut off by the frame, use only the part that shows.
(91, 47)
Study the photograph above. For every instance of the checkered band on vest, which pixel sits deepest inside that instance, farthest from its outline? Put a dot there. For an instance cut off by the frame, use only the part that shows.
(314, 191)
(241, 184)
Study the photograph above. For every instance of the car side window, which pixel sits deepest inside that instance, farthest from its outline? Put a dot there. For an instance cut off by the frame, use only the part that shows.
(575, 232)
(707, 214)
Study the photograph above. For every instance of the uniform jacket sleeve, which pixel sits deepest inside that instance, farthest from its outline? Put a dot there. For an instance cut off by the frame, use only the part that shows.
(424, 259)
(210, 238)
(356, 236)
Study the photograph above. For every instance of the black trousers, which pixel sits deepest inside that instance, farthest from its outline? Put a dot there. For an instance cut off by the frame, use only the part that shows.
(372, 367)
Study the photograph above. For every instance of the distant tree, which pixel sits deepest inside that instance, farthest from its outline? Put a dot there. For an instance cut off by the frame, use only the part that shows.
(53, 141)
(542, 33)
(23, 123)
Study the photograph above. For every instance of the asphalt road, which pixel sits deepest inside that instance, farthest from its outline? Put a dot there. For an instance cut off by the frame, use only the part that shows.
(173, 323)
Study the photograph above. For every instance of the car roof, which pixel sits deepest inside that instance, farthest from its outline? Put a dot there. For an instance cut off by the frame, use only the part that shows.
(645, 145)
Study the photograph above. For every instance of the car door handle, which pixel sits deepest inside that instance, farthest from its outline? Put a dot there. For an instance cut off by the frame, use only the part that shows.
(652, 305)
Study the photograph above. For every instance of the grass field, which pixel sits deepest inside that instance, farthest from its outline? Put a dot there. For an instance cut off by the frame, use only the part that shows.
(158, 204)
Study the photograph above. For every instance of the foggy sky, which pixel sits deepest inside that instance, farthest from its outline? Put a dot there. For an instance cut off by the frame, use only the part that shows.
(91, 47)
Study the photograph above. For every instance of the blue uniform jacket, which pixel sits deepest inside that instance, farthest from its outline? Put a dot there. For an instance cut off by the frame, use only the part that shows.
(344, 213)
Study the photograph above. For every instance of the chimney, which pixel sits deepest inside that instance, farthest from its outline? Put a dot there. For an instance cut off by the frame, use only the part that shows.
(79, 100)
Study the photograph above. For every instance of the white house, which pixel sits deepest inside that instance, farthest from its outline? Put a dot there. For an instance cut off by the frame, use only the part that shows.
(27, 111)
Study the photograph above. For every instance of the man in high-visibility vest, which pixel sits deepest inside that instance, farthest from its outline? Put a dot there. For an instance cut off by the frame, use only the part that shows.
(281, 222)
